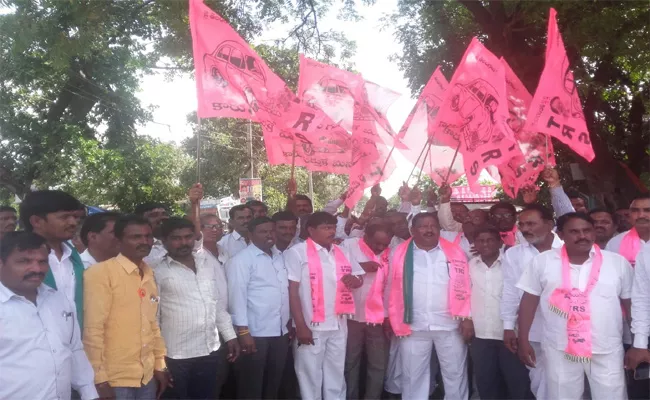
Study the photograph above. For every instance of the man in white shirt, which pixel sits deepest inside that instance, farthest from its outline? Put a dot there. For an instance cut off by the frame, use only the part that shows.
(536, 224)
(192, 313)
(286, 225)
(432, 322)
(604, 225)
(583, 328)
(237, 240)
(639, 352)
(53, 214)
(259, 305)
(98, 237)
(639, 234)
(499, 373)
(319, 349)
(41, 353)
(366, 336)
(259, 209)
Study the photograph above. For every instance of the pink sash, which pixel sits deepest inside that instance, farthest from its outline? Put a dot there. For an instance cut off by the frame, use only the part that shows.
(344, 301)
(630, 246)
(575, 306)
(510, 238)
(375, 300)
(459, 289)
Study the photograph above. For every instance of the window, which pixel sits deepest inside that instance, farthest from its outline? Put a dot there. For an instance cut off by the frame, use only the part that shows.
(224, 52)
(237, 58)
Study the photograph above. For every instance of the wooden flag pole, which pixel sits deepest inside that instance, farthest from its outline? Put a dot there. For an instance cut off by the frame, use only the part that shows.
(428, 152)
(390, 153)
(418, 160)
(198, 150)
(293, 158)
(453, 160)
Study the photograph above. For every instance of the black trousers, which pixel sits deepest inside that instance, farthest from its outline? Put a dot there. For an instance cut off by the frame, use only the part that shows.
(499, 373)
(194, 378)
(636, 390)
(259, 375)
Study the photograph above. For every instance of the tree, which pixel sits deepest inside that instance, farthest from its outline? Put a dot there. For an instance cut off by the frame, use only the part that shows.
(124, 178)
(69, 70)
(606, 42)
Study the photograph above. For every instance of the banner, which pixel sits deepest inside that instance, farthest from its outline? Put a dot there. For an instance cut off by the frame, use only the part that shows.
(556, 109)
(250, 189)
(536, 148)
(233, 81)
(419, 126)
(474, 113)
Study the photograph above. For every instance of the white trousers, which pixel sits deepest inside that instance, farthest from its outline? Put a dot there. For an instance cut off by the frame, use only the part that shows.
(537, 374)
(415, 353)
(393, 377)
(565, 379)
(320, 367)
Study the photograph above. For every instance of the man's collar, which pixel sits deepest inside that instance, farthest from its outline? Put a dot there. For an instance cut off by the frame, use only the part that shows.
(415, 246)
(237, 236)
(257, 251)
(6, 294)
(128, 265)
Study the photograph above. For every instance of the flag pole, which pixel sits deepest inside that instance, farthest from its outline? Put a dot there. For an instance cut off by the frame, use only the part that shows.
(390, 153)
(424, 162)
(418, 160)
(250, 142)
(293, 158)
(198, 149)
(453, 160)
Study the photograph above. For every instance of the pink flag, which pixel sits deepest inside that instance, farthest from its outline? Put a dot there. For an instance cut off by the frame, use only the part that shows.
(474, 113)
(381, 99)
(556, 109)
(335, 91)
(233, 81)
(419, 126)
(536, 148)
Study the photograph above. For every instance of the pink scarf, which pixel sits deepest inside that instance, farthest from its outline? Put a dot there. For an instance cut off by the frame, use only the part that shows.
(459, 293)
(575, 306)
(375, 299)
(630, 246)
(344, 300)
(510, 237)
(458, 238)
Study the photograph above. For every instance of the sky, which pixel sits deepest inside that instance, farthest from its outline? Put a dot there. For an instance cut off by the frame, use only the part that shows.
(175, 99)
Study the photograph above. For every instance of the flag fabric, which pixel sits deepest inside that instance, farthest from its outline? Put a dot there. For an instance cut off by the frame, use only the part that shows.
(474, 113)
(418, 127)
(556, 109)
(341, 95)
(233, 81)
(536, 148)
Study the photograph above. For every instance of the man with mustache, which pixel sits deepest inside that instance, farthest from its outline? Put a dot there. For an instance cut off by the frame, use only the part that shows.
(97, 234)
(604, 225)
(54, 215)
(258, 291)
(155, 213)
(630, 242)
(238, 239)
(286, 225)
(39, 337)
(8, 220)
(536, 225)
(579, 289)
(121, 334)
(366, 328)
(623, 219)
(429, 304)
(192, 313)
(321, 277)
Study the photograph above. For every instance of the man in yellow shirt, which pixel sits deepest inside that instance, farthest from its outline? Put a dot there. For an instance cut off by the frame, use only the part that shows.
(121, 334)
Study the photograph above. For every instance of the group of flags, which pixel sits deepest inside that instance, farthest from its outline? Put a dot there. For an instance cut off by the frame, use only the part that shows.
(484, 118)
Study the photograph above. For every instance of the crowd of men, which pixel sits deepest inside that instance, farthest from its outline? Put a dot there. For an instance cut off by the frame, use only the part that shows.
(492, 304)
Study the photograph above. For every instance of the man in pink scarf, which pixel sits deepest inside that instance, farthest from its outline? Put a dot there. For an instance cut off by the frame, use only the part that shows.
(426, 316)
(366, 329)
(630, 242)
(321, 277)
(579, 289)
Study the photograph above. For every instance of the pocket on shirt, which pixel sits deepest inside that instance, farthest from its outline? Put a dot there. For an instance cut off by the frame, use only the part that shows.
(606, 290)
